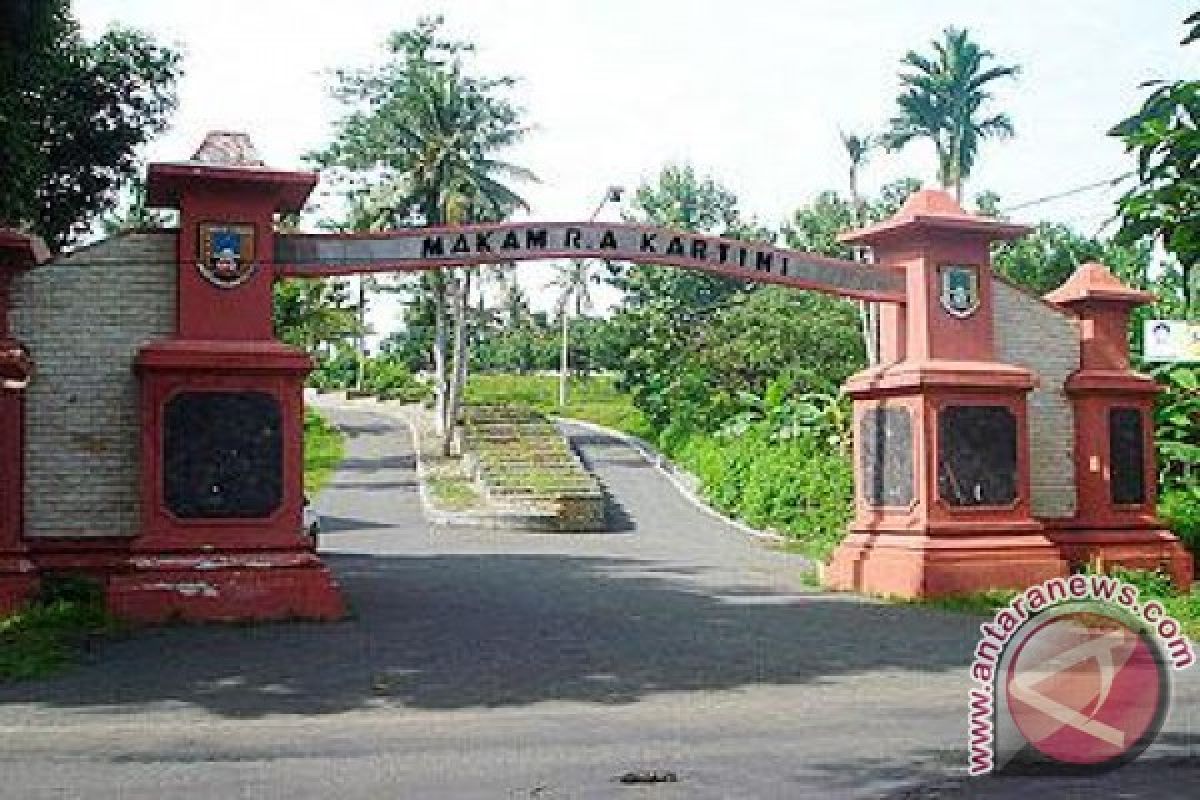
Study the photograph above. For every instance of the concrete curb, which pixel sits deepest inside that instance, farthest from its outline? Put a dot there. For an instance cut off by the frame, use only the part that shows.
(684, 482)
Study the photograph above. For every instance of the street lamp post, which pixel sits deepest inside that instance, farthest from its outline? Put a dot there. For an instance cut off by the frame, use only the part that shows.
(612, 194)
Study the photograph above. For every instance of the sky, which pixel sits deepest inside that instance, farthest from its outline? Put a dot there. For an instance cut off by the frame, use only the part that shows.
(752, 92)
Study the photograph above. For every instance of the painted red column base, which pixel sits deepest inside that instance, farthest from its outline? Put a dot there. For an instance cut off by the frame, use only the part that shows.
(1132, 548)
(225, 587)
(18, 582)
(918, 565)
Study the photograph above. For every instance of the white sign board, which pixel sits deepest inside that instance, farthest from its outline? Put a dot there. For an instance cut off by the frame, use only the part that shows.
(1171, 340)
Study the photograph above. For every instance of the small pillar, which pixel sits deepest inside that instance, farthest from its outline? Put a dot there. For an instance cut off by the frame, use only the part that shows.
(941, 449)
(1115, 522)
(222, 412)
(18, 575)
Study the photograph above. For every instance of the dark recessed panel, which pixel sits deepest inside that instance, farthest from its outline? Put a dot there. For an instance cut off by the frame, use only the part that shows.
(1127, 457)
(886, 452)
(222, 455)
(977, 456)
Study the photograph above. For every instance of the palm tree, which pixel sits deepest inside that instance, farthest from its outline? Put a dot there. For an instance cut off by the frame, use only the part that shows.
(572, 282)
(858, 150)
(941, 101)
(429, 139)
(449, 126)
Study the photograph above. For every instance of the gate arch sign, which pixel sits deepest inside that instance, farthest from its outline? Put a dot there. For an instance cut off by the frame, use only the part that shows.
(318, 255)
(945, 438)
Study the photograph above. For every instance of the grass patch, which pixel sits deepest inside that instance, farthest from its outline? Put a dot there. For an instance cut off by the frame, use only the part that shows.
(983, 603)
(811, 577)
(324, 448)
(452, 492)
(594, 398)
(48, 635)
(1184, 607)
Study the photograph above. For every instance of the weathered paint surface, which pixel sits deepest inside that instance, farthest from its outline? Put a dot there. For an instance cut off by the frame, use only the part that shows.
(314, 255)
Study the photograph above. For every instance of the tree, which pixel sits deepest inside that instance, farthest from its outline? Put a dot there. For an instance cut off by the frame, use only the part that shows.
(1043, 260)
(314, 314)
(858, 150)
(682, 200)
(573, 284)
(428, 131)
(1165, 203)
(73, 116)
(132, 213)
(514, 304)
(816, 227)
(942, 99)
(663, 308)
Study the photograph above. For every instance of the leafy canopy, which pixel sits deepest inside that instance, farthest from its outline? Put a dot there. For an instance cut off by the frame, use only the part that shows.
(73, 116)
(1043, 260)
(417, 143)
(696, 346)
(1165, 203)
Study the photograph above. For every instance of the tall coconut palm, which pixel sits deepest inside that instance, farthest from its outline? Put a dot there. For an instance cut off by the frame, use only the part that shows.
(942, 100)
(573, 281)
(449, 127)
(429, 131)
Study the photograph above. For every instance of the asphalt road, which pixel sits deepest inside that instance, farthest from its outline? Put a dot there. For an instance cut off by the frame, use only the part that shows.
(514, 665)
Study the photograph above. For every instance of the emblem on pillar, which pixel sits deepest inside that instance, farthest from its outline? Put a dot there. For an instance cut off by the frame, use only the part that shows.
(226, 257)
(960, 290)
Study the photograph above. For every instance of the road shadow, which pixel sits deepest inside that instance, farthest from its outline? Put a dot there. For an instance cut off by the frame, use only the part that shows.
(335, 524)
(470, 631)
(1170, 769)
(400, 462)
(584, 444)
(364, 422)
(373, 486)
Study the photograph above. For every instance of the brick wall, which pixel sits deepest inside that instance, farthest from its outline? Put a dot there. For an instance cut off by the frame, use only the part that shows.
(83, 318)
(1037, 336)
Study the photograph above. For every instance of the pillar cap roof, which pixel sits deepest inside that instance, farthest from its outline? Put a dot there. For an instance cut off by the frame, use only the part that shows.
(228, 148)
(230, 158)
(933, 210)
(1094, 282)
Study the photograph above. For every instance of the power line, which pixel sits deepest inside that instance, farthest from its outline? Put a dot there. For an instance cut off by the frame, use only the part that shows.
(1068, 193)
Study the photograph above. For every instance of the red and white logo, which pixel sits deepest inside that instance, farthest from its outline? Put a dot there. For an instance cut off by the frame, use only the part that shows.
(1083, 688)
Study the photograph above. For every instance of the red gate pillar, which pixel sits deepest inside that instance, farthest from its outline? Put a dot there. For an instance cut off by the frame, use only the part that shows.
(942, 498)
(222, 412)
(1115, 521)
(18, 576)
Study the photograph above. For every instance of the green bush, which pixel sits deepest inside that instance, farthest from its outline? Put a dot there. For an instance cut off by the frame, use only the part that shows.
(1180, 509)
(388, 378)
(324, 447)
(799, 487)
(45, 636)
(1177, 425)
(336, 371)
(520, 350)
